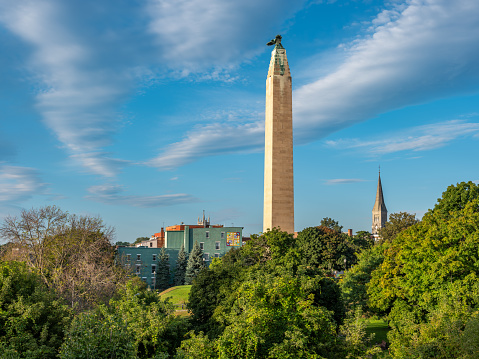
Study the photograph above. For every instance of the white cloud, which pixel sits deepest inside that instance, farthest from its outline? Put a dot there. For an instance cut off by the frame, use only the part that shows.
(197, 34)
(413, 53)
(112, 194)
(210, 140)
(343, 181)
(420, 138)
(424, 51)
(18, 184)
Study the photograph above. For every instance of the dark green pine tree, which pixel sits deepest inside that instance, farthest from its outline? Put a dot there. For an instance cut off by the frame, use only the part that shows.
(181, 263)
(163, 271)
(195, 264)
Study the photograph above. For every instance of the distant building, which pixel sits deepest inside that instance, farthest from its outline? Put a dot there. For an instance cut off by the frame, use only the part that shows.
(380, 213)
(214, 240)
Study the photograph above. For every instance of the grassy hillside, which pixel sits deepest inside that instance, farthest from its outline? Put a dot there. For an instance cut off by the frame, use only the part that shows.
(178, 296)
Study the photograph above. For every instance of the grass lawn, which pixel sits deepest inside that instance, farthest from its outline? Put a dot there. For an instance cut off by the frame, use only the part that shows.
(178, 296)
(380, 328)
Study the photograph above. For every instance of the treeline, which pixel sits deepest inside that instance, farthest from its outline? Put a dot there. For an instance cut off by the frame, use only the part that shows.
(276, 297)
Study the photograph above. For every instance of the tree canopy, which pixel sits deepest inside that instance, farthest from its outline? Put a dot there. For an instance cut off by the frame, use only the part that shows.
(397, 223)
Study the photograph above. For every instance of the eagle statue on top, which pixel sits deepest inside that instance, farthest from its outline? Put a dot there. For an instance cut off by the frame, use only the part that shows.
(277, 42)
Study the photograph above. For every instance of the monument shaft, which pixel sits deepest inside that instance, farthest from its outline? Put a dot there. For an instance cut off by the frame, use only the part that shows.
(278, 208)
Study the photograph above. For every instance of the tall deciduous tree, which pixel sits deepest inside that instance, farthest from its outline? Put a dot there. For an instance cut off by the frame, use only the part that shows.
(180, 269)
(331, 224)
(195, 263)
(397, 223)
(322, 247)
(163, 271)
(72, 254)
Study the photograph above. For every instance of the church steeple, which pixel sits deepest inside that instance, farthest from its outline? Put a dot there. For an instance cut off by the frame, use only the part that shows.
(380, 212)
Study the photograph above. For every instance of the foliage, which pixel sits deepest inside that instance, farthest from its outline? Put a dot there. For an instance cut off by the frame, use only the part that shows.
(426, 264)
(321, 247)
(162, 271)
(356, 342)
(72, 254)
(274, 317)
(180, 270)
(331, 224)
(362, 240)
(136, 325)
(141, 239)
(397, 223)
(98, 335)
(354, 281)
(126, 244)
(197, 346)
(195, 264)
(31, 319)
(435, 255)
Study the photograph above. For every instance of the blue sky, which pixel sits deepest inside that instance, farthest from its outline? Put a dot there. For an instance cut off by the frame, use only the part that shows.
(148, 112)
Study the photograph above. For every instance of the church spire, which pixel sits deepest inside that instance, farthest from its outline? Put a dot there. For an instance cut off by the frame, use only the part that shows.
(380, 212)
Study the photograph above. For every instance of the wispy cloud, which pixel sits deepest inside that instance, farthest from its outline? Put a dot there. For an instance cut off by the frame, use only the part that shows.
(113, 194)
(195, 35)
(415, 53)
(18, 184)
(343, 181)
(420, 138)
(411, 53)
(210, 140)
(80, 94)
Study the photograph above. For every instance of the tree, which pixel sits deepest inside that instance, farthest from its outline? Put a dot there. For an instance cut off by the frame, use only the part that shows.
(322, 247)
(180, 270)
(120, 243)
(72, 254)
(397, 223)
(163, 271)
(141, 239)
(354, 281)
(331, 224)
(362, 240)
(32, 319)
(195, 263)
(430, 261)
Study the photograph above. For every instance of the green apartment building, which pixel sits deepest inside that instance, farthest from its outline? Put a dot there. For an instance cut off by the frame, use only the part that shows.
(215, 241)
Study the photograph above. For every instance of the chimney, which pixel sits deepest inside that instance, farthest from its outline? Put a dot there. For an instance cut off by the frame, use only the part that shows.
(350, 232)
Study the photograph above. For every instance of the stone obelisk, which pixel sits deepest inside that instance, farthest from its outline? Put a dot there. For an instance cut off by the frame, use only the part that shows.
(278, 210)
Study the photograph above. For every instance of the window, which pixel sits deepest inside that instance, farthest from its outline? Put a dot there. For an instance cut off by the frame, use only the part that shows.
(138, 257)
(138, 268)
(217, 255)
(153, 268)
(151, 244)
(222, 235)
(207, 234)
(206, 257)
(128, 257)
(154, 257)
(202, 245)
(217, 245)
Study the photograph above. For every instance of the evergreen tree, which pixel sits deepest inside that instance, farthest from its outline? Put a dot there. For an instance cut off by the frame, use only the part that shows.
(181, 263)
(163, 271)
(195, 264)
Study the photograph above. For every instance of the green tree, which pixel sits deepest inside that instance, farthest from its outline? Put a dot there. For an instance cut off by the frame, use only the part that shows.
(362, 240)
(72, 254)
(195, 264)
(163, 271)
(354, 281)
(274, 317)
(141, 239)
(430, 261)
(137, 324)
(397, 223)
(322, 247)
(32, 320)
(331, 224)
(180, 269)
